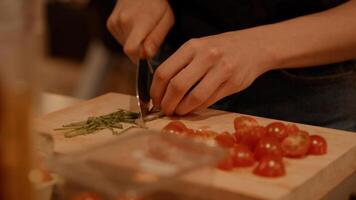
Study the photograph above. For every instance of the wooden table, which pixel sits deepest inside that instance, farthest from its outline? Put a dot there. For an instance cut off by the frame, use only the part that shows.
(52, 102)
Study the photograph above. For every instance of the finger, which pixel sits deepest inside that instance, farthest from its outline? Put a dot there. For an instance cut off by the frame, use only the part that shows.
(181, 58)
(155, 38)
(227, 88)
(132, 45)
(136, 36)
(201, 93)
(180, 84)
(118, 35)
(114, 28)
(236, 83)
(222, 91)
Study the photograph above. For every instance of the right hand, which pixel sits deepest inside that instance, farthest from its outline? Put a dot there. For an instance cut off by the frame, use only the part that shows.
(140, 26)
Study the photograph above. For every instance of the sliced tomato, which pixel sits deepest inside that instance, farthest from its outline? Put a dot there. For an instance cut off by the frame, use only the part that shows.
(189, 132)
(86, 196)
(242, 156)
(318, 145)
(268, 146)
(225, 139)
(244, 122)
(237, 137)
(227, 164)
(250, 136)
(296, 144)
(176, 127)
(276, 130)
(206, 133)
(291, 128)
(270, 166)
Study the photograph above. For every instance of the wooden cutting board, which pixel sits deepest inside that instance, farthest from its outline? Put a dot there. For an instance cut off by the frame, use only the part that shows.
(308, 178)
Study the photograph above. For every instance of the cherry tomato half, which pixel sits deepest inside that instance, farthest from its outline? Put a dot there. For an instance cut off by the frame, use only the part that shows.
(250, 136)
(225, 139)
(318, 145)
(296, 144)
(244, 122)
(189, 132)
(291, 128)
(206, 133)
(227, 164)
(242, 156)
(276, 130)
(176, 127)
(270, 166)
(268, 146)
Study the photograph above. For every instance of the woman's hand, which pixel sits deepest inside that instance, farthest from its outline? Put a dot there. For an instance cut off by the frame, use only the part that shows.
(140, 26)
(227, 63)
(219, 65)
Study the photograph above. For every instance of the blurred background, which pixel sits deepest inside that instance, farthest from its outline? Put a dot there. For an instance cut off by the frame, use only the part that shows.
(82, 59)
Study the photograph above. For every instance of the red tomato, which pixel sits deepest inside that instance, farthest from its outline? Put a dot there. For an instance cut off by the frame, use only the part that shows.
(244, 122)
(268, 146)
(189, 132)
(318, 145)
(206, 133)
(277, 130)
(174, 127)
(237, 136)
(296, 144)
(291, 128)
(242, 156)
(86, 196)
(250, 136)
(270, 166)
(227, 164)
(225, 139)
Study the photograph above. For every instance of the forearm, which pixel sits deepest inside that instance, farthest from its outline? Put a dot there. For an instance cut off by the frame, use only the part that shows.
(316, 39)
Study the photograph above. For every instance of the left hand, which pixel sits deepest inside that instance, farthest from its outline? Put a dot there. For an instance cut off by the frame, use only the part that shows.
(219, 65)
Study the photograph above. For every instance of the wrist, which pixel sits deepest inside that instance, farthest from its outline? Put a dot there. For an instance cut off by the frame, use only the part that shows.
(264, 45)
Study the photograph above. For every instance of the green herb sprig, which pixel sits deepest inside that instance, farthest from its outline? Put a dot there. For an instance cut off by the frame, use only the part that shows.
(112, 121)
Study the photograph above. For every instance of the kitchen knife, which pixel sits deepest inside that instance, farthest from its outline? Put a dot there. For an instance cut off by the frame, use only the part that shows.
(144, 75)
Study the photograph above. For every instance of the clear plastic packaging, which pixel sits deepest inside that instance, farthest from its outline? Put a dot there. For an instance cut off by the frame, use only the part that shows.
(133, 166)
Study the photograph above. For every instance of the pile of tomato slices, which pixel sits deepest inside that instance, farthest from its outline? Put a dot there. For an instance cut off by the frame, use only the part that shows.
(261, 147)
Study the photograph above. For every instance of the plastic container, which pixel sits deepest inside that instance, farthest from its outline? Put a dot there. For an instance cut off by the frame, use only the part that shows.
(44, 190)
(40, 176)
(144, 165)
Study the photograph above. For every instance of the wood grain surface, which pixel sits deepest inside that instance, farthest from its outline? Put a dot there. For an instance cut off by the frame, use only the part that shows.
(307, 178)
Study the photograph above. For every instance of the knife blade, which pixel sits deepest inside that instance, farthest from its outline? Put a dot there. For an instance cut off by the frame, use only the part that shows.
(144, 75)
